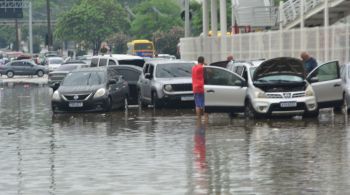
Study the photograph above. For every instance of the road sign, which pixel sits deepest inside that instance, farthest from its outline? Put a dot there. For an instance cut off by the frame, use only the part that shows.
(11, 9)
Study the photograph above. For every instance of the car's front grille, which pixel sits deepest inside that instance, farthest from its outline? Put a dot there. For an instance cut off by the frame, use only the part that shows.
(182, 87)
(274, 95)
(76, 97)
(300, 94)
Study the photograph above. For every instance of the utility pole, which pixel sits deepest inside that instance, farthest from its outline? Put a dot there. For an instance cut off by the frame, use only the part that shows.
(49, 34)
(187, 18)
(16, 48)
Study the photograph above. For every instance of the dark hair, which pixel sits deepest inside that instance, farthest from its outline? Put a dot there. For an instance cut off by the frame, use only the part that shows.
(201, 60)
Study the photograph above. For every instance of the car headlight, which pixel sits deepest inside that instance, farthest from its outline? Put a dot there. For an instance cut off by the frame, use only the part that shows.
(260, 94)
(56, 96)
(168, 88)
(99, 93)
(309, 91)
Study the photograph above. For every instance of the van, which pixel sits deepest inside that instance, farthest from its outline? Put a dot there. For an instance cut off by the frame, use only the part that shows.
(116, 59)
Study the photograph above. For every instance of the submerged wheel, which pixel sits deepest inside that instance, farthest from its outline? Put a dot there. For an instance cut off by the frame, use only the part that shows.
(108, 105)
(313, 114)
(249, 111)
(343, 108)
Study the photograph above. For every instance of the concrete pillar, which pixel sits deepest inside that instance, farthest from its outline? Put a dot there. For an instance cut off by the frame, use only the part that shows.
(205, 18)
(302, 25)
(281, 14)
(214, 18)
(223, 28)
(326, 33)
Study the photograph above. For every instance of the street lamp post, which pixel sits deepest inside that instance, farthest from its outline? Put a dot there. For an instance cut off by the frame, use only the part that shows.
(49, 34)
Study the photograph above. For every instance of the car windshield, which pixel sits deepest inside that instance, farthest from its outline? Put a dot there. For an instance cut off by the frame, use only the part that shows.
(84, 79)
(67, 68)
(252, 70)
(280, 79)
(174, 70)
(55, 61)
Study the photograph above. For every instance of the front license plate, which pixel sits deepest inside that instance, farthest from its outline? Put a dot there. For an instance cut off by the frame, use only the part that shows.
(75, 104)
(187, 98)
(288, 104)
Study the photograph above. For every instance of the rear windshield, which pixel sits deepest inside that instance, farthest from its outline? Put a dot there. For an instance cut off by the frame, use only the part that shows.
(174, 70)
(84, 79)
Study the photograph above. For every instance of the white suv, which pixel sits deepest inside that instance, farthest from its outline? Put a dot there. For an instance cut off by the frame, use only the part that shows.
(277, 86)
(116, 59)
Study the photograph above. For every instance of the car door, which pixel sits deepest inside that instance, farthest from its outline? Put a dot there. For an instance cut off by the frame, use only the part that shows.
(224, 91)
(28, 68)
(17, 67)
(142, 81)
(114, 89)
(326, 83)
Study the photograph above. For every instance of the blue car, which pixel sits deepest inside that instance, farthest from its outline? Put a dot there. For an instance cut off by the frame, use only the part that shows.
(22, 67)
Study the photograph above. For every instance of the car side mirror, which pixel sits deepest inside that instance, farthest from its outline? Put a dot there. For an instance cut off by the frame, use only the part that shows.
(313, 79)
(148, 76)
(112, 82)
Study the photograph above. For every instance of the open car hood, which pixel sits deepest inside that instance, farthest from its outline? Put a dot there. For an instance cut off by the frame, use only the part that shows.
(278, 66)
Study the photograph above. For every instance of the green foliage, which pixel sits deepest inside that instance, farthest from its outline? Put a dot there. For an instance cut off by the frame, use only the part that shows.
(6, 36)
(166, 42)
(155, 15)
(92, 21)
(119, 42)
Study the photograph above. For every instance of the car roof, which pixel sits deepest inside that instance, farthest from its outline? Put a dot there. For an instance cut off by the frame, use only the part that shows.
(167, 61)
(120, 56)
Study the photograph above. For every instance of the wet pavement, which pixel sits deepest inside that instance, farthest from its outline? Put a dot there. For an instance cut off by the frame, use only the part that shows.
(165, 151)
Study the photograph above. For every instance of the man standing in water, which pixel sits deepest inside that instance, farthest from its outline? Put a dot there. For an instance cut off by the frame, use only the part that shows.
(198, 88)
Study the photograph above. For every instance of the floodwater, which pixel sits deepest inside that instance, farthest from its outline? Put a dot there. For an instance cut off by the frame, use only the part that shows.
(165, 151)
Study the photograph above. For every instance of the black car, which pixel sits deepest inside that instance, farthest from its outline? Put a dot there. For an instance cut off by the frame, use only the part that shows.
(22, 67)
(57, 76)
(91, 89)
(131, 74)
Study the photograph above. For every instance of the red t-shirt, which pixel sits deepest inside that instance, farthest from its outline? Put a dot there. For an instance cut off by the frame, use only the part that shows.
(198, 78)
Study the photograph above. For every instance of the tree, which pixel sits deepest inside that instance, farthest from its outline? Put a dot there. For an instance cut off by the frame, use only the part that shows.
(166, 42)
(119, 42)
(155, 15)
(91, 22)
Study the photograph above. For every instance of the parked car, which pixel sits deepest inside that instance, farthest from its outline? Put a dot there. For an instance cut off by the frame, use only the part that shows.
(22, 67)
(165, 81)
(116, 59)
(131, 74)
(53, 62)
(277, 86)
(56, 77)
(345, 76)
(91, 89)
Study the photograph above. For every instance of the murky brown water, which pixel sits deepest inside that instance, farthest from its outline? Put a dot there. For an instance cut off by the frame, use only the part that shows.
(165, 152)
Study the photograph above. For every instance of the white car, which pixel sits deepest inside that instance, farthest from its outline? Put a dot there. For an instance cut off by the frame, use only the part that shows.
(54, 62)
(277, 86)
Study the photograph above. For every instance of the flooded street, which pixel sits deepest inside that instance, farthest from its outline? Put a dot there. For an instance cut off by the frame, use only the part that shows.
(165, 151)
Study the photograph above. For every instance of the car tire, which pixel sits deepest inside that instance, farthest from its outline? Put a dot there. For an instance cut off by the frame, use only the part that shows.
(10, 74)
(313, 114)
(249, 111)
(155, 101)
(139, 100)
(343, 108)
(108, 105)
(40, 73)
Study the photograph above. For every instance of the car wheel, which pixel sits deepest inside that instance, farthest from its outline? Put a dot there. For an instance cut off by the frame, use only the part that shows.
(108, 105)
(10, 74)
(313, 114)
(139, 100)
(40, 73)
(155, 101)
(249, 111)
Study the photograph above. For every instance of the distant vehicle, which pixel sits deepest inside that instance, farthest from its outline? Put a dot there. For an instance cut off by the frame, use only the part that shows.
(131, 74)
(166, 56)
(142, 48)
(165, 81)
(74, 62)
(22, 67)
(56, 77)
(116, 59)
(85, 58)
(90, 89)
(53, 62)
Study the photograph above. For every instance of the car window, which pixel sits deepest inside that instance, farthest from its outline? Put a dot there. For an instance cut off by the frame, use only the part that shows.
(150, 70)
(343, 72)
(112, 73)
(94, 62)
(83, 79)
(327, 72)
(103, 62)
(27, 64)
(220, 77)
(145, 68)
(16, 63)
(239, 70)
(174, 70)
(111, 62)
(129, 75)
(96, 78)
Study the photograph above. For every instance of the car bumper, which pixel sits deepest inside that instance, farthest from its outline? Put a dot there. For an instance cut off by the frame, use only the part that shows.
(87, 105)
(186, 97)
(274, 107)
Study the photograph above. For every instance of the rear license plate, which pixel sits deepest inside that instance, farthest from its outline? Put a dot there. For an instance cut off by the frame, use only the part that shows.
(288, 104)
(75, 104)
(187, 98)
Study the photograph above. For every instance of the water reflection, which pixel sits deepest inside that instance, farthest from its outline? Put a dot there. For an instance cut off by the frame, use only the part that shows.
(150, 151)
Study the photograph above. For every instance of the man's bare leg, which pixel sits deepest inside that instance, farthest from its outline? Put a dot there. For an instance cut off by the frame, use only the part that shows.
(199, 113)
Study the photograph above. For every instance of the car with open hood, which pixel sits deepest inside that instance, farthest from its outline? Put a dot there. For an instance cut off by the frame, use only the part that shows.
(278, 86)
(164, 82)
(90, 89)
